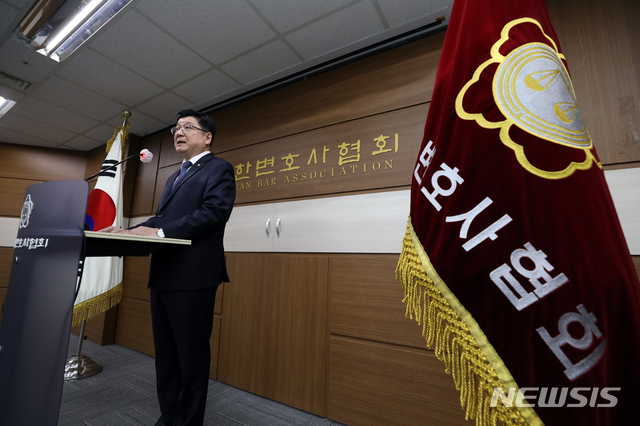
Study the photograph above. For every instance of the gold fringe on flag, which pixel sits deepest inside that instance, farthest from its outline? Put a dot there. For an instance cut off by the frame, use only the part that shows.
(474, 365)
(123, 139)
(96, 305)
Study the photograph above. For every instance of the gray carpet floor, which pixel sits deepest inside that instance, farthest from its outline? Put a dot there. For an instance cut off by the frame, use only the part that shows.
(124, 393)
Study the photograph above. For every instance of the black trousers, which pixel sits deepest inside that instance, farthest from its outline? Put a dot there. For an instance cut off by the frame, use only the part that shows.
(182, 322)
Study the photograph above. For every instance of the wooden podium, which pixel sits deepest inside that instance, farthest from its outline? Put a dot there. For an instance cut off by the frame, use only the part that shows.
(34, 335)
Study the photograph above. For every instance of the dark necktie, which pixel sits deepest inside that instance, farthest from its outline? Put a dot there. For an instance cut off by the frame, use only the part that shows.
(183, 170)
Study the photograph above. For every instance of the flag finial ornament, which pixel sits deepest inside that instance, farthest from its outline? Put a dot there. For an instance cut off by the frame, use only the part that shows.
(124, 130)
(125, 116)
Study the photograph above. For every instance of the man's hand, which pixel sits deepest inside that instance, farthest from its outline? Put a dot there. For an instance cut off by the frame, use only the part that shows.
(140, 230)
(112, 230)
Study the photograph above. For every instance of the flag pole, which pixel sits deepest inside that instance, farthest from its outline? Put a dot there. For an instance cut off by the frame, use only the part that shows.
(80, 366)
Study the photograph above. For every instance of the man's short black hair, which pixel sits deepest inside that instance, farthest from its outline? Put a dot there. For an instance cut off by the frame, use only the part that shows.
(204, 120)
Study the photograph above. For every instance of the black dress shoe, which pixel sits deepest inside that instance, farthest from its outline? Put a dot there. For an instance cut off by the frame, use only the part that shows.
(163, 423)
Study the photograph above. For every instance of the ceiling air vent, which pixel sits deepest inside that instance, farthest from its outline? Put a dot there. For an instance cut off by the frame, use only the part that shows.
(13, 82)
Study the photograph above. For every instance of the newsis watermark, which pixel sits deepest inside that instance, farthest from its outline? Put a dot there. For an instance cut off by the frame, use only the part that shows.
(556, 397)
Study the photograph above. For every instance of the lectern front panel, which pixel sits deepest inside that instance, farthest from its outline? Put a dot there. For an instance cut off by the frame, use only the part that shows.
(34, 334)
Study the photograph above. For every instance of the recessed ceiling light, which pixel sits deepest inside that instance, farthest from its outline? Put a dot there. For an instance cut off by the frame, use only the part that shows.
(5, 105)
(57, 29)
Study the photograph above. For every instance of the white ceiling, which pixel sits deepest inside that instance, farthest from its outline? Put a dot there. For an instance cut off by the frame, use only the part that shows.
(157, 57)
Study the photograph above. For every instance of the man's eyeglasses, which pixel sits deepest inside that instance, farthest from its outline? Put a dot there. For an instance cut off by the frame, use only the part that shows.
(185, 129)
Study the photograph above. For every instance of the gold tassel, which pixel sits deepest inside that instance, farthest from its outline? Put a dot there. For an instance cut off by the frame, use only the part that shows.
(123, 139)
(473, 374)
(96, 305)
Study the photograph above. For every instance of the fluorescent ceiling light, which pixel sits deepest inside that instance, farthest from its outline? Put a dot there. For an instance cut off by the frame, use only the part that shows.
(71, 25)
(90, 26)
(56, 28)
(5, 105)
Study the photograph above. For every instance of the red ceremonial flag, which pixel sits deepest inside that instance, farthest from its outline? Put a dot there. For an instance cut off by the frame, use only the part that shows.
(514, 258)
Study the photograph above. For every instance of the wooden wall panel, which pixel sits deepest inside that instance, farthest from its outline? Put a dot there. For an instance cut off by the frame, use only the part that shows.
(599, 40)
(366, 301)
(214, 341)
(145, 181)
(12, 195)
(214, 344)
(243, 336)
(107, 329)
(372, 384)
(100, 329)
(168, 154)
(297, 318)
(217, 309)
(130, 170)
(95, 158)
(6, 260)
(40, 164)
(135, 276)
(133, 328)
(3, 297)
(22, 166)
(163, 175)
(391, 80)
(329, 176)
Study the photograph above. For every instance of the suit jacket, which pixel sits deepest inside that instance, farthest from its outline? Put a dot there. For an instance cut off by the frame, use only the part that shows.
(197, 209)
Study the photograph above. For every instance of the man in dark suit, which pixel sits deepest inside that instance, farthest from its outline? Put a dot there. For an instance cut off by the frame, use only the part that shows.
(195, 205)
